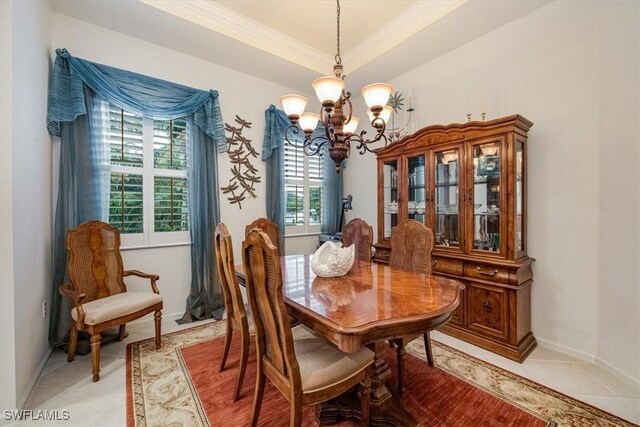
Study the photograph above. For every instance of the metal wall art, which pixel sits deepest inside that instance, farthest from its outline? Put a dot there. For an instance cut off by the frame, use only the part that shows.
(244, 174)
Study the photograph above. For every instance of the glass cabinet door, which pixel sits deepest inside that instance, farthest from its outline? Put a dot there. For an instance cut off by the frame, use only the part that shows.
(415, 181)
(519, 227)
(487, 197)
(390, 196)
(445, 198)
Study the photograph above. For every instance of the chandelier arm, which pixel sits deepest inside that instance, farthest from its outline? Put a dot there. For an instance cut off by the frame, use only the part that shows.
(363, 144)
(347, 98)
(295, 130)
(326, 121)
(314, 147)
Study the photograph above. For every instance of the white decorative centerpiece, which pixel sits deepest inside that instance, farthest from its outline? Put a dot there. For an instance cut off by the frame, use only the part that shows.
(333, 260)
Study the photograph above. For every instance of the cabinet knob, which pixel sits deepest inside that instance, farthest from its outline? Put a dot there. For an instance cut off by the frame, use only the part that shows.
(434, 262)
(487, 273)
(486, 306)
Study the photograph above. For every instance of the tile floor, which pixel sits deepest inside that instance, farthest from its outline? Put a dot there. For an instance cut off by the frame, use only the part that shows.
(68, 386)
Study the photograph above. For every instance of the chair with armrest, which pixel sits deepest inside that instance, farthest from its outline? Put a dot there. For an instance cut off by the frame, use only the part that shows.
(357, 232)
(97, 289)
(411, 247)
(269, 227)
(305, 368)
(238, 317)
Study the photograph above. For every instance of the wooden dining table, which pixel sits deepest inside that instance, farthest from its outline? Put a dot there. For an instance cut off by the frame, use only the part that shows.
(372, 303)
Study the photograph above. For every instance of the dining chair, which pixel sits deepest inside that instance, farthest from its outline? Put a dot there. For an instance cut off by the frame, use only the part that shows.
(97, 289)
(357, 232)
(305, 368)
(411, 247)
(238, 314)
(269, 227)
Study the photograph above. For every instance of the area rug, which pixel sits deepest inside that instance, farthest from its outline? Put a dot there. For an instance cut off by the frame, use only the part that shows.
(179, 385)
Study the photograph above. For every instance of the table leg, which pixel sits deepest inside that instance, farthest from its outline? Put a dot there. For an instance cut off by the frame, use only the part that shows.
(386, 409)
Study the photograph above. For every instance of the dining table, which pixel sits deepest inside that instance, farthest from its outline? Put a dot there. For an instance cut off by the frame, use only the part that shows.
(371, 304)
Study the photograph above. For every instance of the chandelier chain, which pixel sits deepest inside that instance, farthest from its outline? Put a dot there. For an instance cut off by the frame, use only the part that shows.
(338, 57)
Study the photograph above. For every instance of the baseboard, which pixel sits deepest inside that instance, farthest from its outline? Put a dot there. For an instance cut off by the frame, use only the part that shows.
(586, 357)
(617, 373)
(33, 382)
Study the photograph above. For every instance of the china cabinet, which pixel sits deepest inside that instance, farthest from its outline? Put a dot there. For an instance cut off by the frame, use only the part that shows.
(467, 182)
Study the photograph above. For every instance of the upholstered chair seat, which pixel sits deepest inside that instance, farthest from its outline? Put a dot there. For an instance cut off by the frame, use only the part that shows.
(322, 365)
(114, 306)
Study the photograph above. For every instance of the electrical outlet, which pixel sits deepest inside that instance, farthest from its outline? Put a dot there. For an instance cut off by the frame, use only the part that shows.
(44, 309)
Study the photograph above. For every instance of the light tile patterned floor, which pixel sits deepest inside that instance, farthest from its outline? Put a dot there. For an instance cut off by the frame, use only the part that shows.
(68, 386)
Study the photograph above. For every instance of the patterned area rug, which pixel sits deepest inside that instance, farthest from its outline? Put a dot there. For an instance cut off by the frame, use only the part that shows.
(179, 385)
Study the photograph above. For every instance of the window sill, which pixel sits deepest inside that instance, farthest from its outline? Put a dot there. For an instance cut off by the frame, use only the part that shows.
(158, 246)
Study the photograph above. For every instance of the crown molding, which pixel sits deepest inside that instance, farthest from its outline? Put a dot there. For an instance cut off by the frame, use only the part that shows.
(215, 17)
(405, 25)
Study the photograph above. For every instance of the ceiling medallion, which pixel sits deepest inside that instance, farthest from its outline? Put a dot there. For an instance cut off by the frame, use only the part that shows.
(339, 124)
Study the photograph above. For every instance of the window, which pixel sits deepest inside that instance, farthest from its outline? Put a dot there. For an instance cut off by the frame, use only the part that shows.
(303, 191)
(148, 194)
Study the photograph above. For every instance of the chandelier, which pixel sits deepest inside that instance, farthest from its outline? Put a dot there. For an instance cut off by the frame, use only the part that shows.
(336, 114)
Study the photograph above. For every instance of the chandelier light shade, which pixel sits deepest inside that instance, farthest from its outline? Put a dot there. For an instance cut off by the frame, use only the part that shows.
(293, 105)
(309, 122)
(376, 95)
(336, 114)
(328, 89)
(350, 127)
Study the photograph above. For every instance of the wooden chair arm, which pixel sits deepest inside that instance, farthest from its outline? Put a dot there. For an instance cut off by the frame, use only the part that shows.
(67, 290)
(152, 277)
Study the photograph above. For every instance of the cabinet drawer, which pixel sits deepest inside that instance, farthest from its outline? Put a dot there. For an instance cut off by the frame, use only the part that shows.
(382, 255)
(486, 272)
(447, 266)
(488, 309)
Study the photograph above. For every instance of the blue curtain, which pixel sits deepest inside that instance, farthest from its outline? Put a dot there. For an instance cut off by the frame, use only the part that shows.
(273, 154)
(79, 94)
(142, 95)
(331, 195)
(205, 298)
(83, 189)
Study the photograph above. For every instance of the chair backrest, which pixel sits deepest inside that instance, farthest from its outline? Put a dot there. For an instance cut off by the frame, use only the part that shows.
(411, 247)
(357, 232)
(274, 340)
(94, 264)
(230, 288)
(269, 227)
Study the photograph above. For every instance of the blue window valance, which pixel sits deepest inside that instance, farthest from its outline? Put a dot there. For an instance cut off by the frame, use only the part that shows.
(136, 93)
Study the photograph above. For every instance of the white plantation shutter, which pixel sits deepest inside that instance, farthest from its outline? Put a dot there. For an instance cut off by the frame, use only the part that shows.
(170, 144)
(303, 191)
(148, 198)
(126, 204)
(170, 204)
(125, 136)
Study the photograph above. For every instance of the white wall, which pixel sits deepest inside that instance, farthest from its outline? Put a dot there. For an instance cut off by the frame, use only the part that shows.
(241, 94)
(619, 204)
(8, 397)
(571, 68)
(27, 192)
